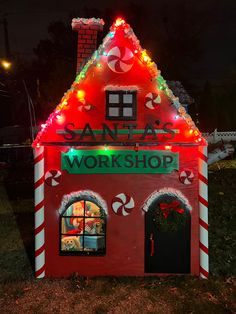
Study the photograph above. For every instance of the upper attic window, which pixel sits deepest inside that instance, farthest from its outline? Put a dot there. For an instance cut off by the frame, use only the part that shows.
(121, 105)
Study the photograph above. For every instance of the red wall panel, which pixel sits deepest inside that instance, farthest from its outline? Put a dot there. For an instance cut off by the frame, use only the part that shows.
(124, 235)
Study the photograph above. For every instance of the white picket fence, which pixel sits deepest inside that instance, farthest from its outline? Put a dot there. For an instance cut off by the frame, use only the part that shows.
(216, 136)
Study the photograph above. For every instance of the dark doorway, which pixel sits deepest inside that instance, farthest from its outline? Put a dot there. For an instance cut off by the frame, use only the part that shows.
(168, 250)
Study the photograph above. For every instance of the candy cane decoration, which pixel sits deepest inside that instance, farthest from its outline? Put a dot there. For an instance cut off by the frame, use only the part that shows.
(39, 212)
(203, 211)
(152, 100)
(122, 204)
(120, 59)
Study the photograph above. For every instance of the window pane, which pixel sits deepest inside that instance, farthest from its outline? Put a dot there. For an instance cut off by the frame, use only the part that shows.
(127, 112)
(114, 112)
(94, 243)
(76, 209)
(94, 226)
(92, 210)
(68, 212)
(72, 225)
(127, 98)
(113, 98)
(71, 243)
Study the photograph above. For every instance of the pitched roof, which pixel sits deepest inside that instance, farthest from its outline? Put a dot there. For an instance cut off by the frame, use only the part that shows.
(141, 54)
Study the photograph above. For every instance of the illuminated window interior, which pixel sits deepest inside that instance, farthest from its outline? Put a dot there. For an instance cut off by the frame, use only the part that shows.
(83, 232)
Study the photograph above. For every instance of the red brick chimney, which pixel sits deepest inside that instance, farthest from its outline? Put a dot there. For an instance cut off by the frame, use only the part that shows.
(87, 38)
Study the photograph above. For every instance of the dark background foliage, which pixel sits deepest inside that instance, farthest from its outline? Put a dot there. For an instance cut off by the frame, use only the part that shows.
(189, 41)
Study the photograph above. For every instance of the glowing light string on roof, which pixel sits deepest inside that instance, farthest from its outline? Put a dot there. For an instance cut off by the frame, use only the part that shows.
(142, 55)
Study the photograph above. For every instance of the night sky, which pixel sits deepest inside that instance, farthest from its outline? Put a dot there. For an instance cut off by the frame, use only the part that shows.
(28, 21)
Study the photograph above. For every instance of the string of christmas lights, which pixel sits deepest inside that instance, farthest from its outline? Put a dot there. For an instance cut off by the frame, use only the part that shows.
(142, 55)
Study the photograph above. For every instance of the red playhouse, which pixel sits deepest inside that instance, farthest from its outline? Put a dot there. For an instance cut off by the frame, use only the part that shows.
(120, 169)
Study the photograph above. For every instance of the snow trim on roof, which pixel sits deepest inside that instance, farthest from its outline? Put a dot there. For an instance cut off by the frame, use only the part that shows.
(123, 88)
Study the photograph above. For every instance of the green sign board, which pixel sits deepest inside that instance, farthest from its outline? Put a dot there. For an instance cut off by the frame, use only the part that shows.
(119, 161)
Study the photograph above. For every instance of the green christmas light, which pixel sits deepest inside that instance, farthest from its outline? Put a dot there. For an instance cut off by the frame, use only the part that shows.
(161, 83)
(160, 80)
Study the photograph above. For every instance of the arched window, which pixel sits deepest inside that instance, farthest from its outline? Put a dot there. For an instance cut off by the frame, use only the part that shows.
(83, 228)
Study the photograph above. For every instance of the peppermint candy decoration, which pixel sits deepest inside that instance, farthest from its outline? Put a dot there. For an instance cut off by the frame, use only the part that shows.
(186, 176)
(122, 204)
(152, 100)
(120, 59)
(84, 106)
(53, 177)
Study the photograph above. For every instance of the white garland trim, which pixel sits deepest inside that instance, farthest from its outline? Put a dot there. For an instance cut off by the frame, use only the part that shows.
(170, 192)
(123, 88)
(83, 195)
(84, 21)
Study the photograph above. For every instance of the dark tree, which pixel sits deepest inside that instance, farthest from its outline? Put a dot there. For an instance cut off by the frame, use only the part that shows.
(208, 109)
(13, 97)
(54, 67)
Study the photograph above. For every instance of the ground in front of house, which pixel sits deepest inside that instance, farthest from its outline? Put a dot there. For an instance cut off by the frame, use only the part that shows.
(21, 293)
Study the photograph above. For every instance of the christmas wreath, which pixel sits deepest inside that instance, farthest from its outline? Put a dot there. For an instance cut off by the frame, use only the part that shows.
(169, 214)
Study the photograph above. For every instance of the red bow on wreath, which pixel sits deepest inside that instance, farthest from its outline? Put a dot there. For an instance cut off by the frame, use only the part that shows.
(173, 206)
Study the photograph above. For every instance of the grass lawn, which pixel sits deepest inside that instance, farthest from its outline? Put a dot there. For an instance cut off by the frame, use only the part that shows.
(21, 293)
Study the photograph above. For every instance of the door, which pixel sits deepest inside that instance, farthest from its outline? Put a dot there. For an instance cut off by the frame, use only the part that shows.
(167, 238)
